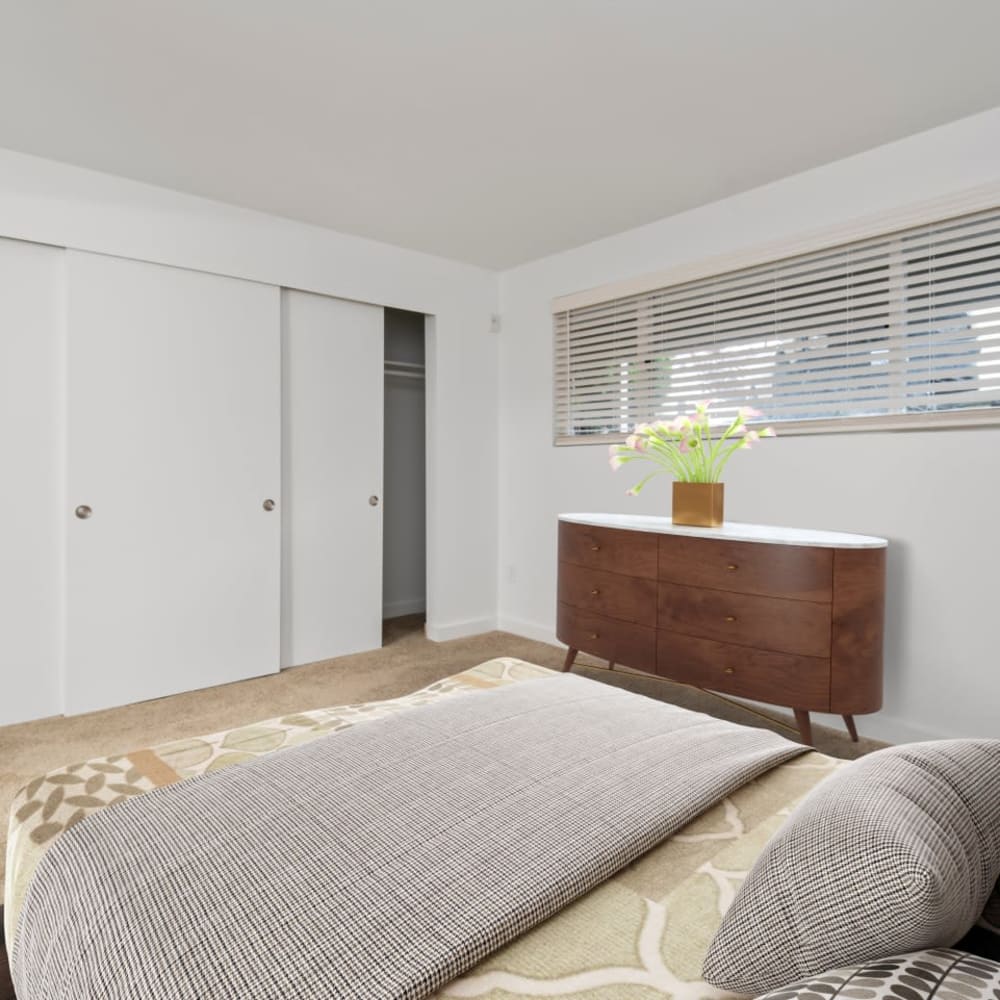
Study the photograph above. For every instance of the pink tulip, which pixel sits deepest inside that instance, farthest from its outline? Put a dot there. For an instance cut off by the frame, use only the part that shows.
(749, 413)
(703, 405)
(632, 492)
(768, 432)
(752, 437)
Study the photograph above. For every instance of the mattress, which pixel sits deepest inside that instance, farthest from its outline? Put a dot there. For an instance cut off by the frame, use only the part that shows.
(641, 934)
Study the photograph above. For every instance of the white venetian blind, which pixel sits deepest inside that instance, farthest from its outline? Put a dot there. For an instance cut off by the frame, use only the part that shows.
(894, 330)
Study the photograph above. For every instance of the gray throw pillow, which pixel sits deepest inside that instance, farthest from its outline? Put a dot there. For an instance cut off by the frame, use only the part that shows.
(921, 975)
(895, 852)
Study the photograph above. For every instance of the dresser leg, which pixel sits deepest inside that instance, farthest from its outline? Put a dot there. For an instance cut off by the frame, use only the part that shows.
(851, 728)
(570, 658)
(805, 726)
(611, 664)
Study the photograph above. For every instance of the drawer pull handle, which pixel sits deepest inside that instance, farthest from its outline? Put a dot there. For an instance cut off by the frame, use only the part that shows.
(730, 618)
(729, 670)
(595, 592)
(732, 567)
(595, 548)
(594, 635)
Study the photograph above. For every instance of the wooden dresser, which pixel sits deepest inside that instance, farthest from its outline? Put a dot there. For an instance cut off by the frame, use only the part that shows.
(778, 615)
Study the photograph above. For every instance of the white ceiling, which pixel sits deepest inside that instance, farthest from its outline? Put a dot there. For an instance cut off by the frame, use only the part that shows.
(491, 131)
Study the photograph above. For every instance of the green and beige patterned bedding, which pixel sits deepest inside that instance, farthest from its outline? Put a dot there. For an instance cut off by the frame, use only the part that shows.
(640, 935)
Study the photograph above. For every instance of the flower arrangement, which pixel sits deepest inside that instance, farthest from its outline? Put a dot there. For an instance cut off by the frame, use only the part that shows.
(684, 447)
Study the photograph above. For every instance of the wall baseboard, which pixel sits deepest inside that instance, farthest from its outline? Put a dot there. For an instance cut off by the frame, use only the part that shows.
(528, 630)
(459, 630)
(411, 606)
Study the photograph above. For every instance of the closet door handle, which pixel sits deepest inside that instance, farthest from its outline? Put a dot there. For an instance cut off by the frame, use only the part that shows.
(83, 512)
(268, 504)
(373, 500)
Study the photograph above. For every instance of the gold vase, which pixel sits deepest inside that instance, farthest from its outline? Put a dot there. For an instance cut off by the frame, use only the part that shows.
(698, 504)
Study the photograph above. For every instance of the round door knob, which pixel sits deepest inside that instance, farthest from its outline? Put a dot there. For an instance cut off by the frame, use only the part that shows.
(373, 500)
(83, 512)
(269, 504)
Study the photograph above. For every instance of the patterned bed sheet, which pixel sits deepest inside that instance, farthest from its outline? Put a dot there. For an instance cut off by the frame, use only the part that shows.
(639, 936)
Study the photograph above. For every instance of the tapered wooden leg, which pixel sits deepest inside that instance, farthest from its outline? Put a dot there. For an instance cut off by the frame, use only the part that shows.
(851, 728)
(570, 658)
(611, 664)
(805, 726)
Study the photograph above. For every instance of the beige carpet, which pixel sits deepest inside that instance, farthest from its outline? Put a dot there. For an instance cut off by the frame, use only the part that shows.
(407, 661)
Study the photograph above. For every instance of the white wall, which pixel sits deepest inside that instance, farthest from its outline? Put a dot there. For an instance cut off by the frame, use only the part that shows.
(933, 494)
(52, 203)
(404, 488)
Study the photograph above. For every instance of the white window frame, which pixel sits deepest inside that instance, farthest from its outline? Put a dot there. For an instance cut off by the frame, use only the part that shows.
(983, 198)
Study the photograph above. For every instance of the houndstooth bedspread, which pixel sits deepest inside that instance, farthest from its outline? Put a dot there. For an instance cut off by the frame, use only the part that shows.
(379, 862)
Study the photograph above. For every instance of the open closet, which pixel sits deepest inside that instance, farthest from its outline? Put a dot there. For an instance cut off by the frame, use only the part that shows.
(404, 549)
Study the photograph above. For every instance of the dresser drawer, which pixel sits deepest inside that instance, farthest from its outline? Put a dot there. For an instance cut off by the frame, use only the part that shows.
(629, 598)
(773, 623)
(620, 642)
(632, 553)
(780, 678)
(792, 571)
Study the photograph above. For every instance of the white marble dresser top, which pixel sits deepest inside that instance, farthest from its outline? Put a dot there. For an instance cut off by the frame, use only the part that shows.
(732, 530)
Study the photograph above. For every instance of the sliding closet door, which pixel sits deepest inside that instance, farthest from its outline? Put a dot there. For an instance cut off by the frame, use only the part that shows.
(173, 560)
(332, 360)
(31, 344)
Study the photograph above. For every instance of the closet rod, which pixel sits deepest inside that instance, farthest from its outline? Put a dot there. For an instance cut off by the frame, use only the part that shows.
(418, 375)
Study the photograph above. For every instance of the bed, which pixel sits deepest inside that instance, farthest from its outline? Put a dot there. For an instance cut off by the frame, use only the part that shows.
(641, 934)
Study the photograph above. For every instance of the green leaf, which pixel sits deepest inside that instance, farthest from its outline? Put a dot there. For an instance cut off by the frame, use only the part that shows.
(185, 753)
(254, 739)
(227, 760)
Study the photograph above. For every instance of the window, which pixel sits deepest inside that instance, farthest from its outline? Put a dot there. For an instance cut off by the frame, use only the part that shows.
(896, 330)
